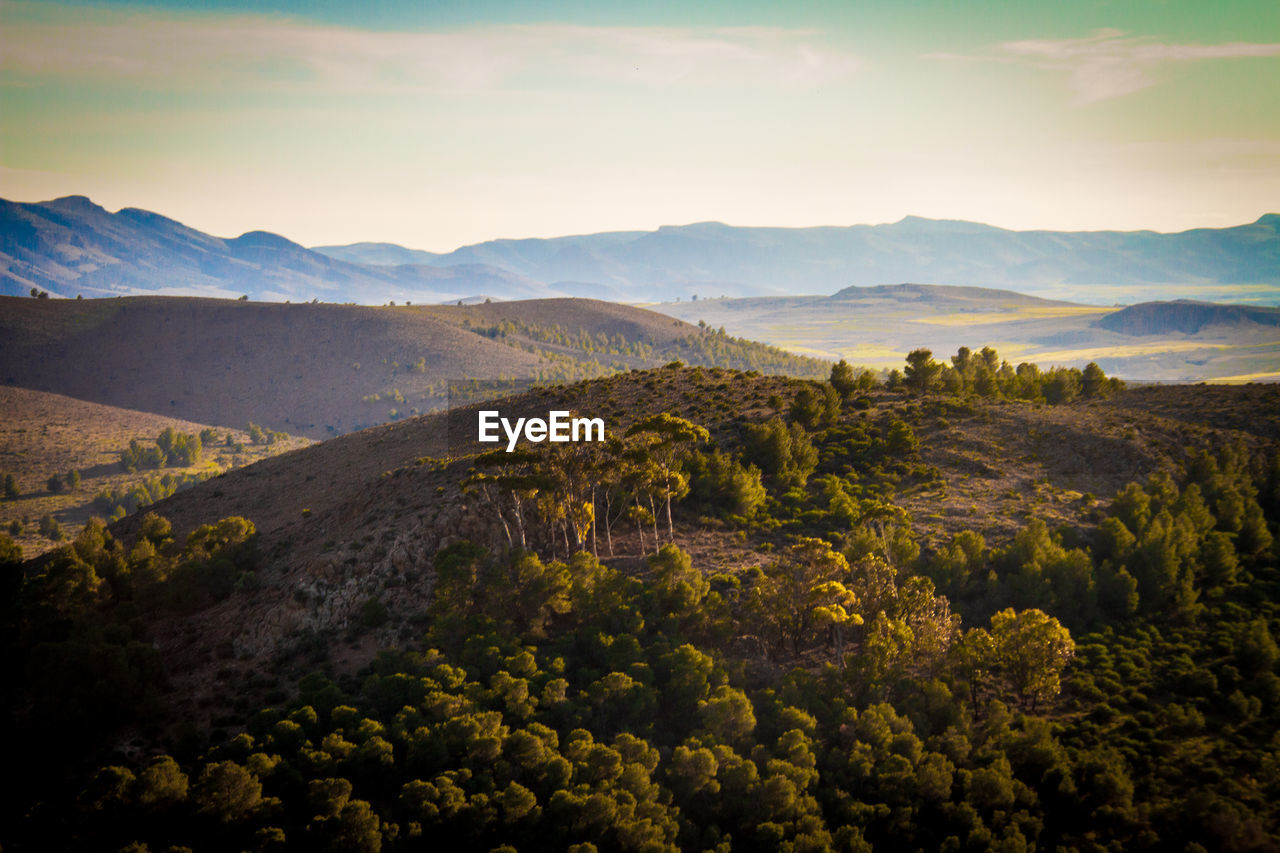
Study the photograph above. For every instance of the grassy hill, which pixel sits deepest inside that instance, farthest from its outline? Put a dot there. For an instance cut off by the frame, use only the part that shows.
(319, 369)
(1162, 318)
(45, 435)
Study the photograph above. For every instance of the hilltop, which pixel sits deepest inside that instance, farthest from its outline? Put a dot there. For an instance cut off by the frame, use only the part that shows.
(1188, 318)
(320, 369)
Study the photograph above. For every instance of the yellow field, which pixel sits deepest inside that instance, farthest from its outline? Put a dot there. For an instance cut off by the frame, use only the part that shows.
(1247, 377)
(981, 319)
(1125, 351)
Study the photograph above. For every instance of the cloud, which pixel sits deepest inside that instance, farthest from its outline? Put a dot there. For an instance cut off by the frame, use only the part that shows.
(176, 52)
(1111, 63)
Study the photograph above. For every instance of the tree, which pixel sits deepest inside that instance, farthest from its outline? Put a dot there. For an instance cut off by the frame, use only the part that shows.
(1094, 381)
(808, 408)
(784, 454)
(843, 379)
(1031, 648)
(721, 481)
(228, 792)
(678, 586)
(922, 371)
(54, 483)
(804, 591)
(11, 490)
(50, 528)
(1062, 385)
(665, 436)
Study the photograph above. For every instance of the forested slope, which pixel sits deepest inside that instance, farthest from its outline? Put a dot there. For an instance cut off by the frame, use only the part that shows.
(857, 625)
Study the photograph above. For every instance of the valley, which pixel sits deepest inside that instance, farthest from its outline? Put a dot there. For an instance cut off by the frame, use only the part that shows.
(877, 326)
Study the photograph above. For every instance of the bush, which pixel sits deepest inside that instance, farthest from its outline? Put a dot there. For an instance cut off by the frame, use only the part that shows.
(51, 529)
(373, 613)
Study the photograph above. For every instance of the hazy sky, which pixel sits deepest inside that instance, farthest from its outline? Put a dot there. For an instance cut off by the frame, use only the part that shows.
(440, 124)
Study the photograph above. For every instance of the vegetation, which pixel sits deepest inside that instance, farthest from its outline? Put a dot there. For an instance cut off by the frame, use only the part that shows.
(984, 374)
(173, 449)
(579, 678)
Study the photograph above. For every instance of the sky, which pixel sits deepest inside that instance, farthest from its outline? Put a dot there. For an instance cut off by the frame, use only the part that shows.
(440, 124)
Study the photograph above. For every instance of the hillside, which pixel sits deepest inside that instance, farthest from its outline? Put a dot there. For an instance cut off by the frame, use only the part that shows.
(360, 515)
(45, 435)
(72, 247)
(877, 326)
(320, 369)
(1158, 318)
(403, 660)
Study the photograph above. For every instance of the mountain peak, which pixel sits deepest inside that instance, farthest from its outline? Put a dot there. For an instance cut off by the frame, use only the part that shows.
(75, 203)
(262, 240)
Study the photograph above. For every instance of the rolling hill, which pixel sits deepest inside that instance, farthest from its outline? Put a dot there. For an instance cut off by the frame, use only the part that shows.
(1189, 318)
(321, 369)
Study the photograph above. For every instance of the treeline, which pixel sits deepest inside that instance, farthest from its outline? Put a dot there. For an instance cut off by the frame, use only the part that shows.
(708, 348)
(986, 375)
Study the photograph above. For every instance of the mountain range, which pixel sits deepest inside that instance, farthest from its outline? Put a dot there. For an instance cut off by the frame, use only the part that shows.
(714, 259)
(71, 246)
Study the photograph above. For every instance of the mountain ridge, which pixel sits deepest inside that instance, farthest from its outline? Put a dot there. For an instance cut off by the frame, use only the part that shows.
(72, 246)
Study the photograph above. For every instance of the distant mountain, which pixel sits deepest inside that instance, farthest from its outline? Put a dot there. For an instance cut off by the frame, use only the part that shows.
(71, 246)
(1159, 318)
(378, 254)
(712, 259)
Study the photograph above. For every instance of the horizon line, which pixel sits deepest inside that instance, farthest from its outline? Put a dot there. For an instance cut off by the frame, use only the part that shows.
(654, 230)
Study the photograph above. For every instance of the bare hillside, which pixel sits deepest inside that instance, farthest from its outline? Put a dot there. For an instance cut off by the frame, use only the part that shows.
(45, 435)
(322, 370)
